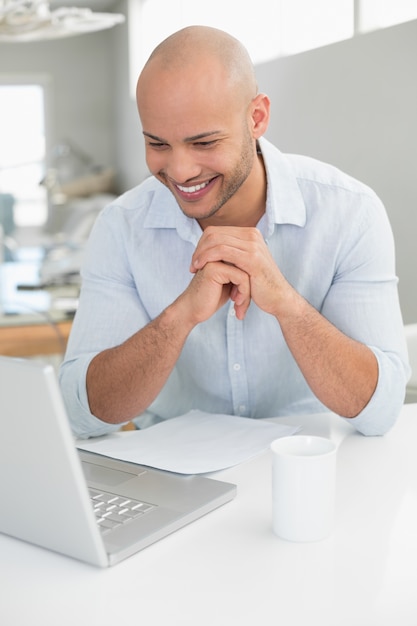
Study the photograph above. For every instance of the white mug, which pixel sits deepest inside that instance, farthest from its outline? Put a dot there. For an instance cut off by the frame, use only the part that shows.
(303, 487)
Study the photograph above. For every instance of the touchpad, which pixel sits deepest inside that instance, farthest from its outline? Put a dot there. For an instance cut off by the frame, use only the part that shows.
(105, 475)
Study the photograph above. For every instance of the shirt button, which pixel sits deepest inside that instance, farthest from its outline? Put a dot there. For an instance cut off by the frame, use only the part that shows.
(242, 408)
(232, 312)
(236, 367)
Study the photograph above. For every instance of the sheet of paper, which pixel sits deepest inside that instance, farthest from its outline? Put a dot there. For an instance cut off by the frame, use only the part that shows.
(193, 443)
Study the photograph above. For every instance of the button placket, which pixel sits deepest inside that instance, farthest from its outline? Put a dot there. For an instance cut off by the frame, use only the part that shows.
(236, 363)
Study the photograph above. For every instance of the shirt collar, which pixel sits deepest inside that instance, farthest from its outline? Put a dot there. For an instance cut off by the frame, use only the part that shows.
(165, 213)
(284, 200)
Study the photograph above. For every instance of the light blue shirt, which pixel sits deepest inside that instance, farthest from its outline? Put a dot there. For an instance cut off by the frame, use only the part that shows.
(331, 238)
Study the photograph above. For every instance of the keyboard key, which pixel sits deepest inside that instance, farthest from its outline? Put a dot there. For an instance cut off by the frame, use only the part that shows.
(112, 511)
(142, 507)
(106, 523)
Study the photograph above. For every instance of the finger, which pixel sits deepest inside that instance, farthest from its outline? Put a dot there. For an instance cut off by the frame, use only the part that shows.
(228, 247)
(237, 280)
(241, 302)
(211, 237)
(240, 294)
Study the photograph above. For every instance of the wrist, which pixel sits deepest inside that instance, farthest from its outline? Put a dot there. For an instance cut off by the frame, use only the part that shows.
(177, 317)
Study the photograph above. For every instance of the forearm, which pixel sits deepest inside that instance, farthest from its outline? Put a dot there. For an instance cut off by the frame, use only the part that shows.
(341, 372)
(123, 381)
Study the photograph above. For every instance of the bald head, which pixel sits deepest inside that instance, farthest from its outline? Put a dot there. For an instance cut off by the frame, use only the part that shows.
(201, 119)
(196, 47)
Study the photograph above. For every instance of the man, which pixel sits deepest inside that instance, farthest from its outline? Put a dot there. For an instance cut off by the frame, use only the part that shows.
(236, 279)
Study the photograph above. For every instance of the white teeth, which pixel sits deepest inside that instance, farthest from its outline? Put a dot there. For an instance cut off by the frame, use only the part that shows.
(192, 189)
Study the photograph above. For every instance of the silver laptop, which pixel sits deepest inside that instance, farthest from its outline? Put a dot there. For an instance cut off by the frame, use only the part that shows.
(80, 504)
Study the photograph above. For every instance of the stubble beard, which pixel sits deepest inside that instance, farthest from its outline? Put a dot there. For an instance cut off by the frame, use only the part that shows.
(231, 183)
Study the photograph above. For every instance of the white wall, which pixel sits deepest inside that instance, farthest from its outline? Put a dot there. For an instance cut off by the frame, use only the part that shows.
(354, 104)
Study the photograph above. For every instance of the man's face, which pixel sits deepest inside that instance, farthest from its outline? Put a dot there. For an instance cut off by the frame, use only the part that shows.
(198, 141)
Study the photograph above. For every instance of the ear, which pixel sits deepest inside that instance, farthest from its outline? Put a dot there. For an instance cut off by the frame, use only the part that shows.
(260, 109)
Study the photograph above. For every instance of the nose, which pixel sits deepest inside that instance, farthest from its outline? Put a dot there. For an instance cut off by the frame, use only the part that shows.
(181, 165)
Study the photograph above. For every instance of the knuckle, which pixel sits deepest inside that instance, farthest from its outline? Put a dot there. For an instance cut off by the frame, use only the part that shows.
(209, 232)
(253, 234)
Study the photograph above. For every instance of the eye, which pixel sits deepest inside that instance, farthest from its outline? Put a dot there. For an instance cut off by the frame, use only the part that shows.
(205, 144)
(156, 145)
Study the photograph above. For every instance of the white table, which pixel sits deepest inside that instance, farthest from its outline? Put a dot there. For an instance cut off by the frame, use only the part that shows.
(228, 569)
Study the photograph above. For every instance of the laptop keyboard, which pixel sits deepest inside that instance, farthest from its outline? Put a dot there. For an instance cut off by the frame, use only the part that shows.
(112, 511)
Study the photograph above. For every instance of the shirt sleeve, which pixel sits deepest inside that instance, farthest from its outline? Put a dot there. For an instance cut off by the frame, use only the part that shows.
(363, 303)
(109, 312)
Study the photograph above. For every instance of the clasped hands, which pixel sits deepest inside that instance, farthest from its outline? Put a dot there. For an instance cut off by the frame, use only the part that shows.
(233, 263)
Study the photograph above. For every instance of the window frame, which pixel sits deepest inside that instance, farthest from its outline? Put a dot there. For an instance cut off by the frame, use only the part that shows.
(44, 81)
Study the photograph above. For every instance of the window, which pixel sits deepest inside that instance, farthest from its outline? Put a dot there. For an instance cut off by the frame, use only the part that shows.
(268, 28)
(307, 25)
(23, 149)
(285, 26)
(374, 14)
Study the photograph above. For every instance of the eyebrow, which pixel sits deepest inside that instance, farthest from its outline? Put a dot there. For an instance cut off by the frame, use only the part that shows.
(187, 139)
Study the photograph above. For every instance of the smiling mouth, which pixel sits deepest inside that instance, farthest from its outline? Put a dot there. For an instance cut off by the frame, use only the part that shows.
(194, 189)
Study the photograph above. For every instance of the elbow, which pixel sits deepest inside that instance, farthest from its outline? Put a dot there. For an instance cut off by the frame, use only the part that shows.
(383, 409)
